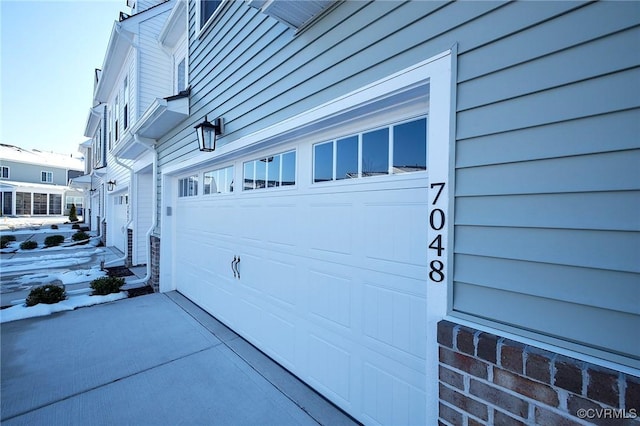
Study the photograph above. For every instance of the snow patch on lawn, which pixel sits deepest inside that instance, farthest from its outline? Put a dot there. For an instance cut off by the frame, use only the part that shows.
(19, 312)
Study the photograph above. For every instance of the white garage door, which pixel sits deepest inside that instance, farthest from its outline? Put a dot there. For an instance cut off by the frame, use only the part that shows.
(332, 269)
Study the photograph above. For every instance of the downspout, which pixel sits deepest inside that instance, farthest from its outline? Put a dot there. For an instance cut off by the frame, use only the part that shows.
(154, 214)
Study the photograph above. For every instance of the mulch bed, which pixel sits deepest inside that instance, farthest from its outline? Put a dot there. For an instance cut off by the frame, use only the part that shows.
(140, 291)
(118, 271)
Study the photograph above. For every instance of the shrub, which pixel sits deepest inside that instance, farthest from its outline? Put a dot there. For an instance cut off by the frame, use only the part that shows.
(28, 245)
(73, 216)
(54, 226)
(75, 226)
(5, 240)
(106, 285)
(48, 294)
(53, 240)
(79, 236)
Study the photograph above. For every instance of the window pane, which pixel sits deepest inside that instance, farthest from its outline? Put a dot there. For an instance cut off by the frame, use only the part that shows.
(229, 179)
(410, 146)
(261, 172)
(207, 9)
(248, 175)
(375, 153)
(273, 166)
(7, 203)
(39, 203)
(182, 81)
(55, 204)
(347, 158)
(209, 183)
(289, 168)
(323, 162)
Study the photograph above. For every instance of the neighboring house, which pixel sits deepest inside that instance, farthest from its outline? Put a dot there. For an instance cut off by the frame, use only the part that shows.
(426, 211)
(35, 183)
(137, 70)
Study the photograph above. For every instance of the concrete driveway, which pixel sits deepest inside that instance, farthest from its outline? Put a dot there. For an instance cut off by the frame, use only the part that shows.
(151, 360)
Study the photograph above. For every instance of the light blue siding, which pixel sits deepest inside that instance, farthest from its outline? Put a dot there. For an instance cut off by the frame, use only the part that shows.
(547, 169)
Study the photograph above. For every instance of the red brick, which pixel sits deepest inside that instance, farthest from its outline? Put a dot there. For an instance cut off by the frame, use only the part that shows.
(511, 356)
(463, 402)
(445, 333)
(568, 376)
(632, 394)
(603, 386)
(463, 362)
(523, 386)
(488, 347)
(450, 415)
(501, 419)
(499, 398)
(451, 377)
(546, 417)
(464, 341)
(538, 367)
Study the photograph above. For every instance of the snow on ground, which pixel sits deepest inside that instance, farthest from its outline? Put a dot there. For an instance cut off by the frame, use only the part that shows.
(19, 312)
(68, 277)
(47, 261)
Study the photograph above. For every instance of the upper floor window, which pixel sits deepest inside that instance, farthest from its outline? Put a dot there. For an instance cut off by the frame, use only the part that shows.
(116, 111)
(268, 172)
(181, 75)
(188, 187)
(46, 177)
(395, 149)
(4, 172)
(125, 101)
(207, 9)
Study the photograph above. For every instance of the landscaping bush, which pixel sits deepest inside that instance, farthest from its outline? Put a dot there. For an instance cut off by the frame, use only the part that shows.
(5, 240)
(75, 226)
(48, 294)
(53, 240)
(79, 236)
(28, 245)
(73, 216)
(106, 285)
(54, 226)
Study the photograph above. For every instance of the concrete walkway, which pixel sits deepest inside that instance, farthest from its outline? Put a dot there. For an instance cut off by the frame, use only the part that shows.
(150, 360)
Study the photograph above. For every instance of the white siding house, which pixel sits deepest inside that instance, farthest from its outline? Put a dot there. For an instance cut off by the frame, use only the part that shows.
(426, 211)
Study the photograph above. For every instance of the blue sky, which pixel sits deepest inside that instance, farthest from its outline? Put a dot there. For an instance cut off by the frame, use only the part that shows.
(49, 50)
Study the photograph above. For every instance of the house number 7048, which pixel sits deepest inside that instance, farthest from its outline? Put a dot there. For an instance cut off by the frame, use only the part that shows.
(437, 220)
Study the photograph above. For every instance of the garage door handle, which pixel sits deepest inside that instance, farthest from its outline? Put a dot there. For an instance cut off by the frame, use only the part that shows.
(238, 267)
(233, 266)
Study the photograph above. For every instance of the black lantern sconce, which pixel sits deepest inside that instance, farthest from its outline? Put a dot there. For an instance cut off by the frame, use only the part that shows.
(207, 133)
(110, 185)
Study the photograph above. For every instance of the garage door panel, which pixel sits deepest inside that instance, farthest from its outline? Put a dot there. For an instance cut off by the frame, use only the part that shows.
(329, 297)
(330, 367)
(395, 319)
(324, 220)
(392, 400)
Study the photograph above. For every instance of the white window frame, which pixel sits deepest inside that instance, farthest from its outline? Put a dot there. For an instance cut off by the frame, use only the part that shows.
(230, 168)
(266, 158)
(202, 26)
(125, 103)
(185, 187)
(46, 176)
(4, 169)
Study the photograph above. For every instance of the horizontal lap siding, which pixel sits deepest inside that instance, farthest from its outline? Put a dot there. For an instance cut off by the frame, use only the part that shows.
(547, 229)
(156, 73)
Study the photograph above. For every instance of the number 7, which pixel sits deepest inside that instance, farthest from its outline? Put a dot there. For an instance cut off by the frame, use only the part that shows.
(441, 185)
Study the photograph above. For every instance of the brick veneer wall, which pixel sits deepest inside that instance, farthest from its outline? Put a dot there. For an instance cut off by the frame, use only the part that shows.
(490, 380)
(129, 248)
(103, 236)
(154, 280)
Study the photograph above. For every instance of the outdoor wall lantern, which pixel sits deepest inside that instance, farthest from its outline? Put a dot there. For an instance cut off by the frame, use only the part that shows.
(110, 185)
(207, 132)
